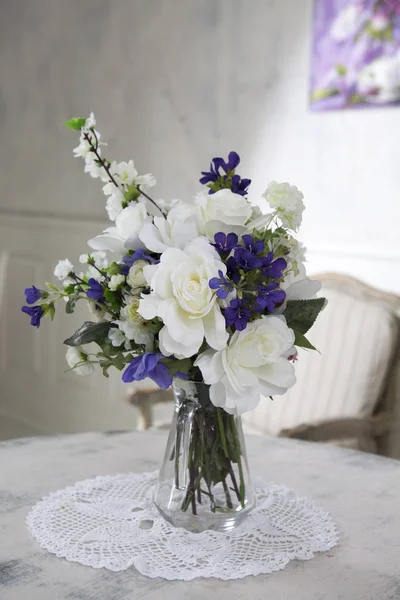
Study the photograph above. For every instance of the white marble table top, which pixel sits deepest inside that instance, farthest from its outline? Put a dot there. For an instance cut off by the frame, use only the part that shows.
(361, 491)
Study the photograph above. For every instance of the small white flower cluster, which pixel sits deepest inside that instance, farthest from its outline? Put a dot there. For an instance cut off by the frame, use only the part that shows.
(117, 177)
(206, 286)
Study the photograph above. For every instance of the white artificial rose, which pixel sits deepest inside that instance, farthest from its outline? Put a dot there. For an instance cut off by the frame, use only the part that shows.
(135, 277)
(223, 211)
(182, 298)
(77, 360)
(254, 362)
(133, 325)
(63, 269)
(175, 231)
(125, 234)
(287, 201)
(298, 286)
(116, 281)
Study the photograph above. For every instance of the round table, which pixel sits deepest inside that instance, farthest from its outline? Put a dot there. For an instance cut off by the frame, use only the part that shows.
(362, 492)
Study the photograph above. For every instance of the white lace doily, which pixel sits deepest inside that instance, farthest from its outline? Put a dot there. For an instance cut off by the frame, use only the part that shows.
(111, 522)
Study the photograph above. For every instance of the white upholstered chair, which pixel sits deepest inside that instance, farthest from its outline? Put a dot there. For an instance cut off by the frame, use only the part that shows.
(349, 391)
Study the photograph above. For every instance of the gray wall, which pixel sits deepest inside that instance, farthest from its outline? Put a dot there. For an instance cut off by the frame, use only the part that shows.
(172, 83)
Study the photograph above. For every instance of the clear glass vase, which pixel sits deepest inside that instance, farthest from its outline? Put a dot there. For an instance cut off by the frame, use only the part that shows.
(204, 481)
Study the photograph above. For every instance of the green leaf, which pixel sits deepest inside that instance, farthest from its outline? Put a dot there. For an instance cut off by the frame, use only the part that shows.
(113, 299)
(132, 193)
(301, 314)
(76, 124)
(301, 341)
(114, 269)
(89, 332)
(183, 366)
(70, 306)
(52, 287)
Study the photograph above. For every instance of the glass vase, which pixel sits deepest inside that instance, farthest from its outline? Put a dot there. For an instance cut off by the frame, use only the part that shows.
(204, 481)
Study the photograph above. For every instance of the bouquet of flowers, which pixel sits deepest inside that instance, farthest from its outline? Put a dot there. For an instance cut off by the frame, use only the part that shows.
(212, 291)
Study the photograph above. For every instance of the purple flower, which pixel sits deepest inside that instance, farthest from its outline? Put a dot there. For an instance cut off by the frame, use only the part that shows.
(232, 270)
(35, 313)
(221, 284)
(237, 314)
(225, 243)
(273, 268)
(95, 291)
(32, 295)
(240, 186)
(148, 365)
(268, 296)
(246, 260)
(229, 179)
(139, 254)
(254, 247)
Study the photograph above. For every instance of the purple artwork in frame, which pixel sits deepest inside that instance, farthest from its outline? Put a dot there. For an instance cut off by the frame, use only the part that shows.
(355, 54)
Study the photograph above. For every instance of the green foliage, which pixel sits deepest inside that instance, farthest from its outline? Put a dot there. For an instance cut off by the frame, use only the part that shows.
(76, 123)
(131, 194)
(174, 365)
(113, 299)
(70, 306)
(301, 341)
(89, 332)
(301, 314)
(52, 287)
(114, 269)
(49, 309)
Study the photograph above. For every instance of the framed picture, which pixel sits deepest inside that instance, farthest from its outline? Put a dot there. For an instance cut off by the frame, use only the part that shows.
(355, 54)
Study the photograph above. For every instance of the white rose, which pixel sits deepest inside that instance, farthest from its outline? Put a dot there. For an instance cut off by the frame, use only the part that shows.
(254, 362)
(125, 234)
(287, 201)
(222, 211)
(175, 231)
(116, 281)
(135, 277)
(298, 286)
(63, 269)
(133, 325)
(183, 299)
(77, 360)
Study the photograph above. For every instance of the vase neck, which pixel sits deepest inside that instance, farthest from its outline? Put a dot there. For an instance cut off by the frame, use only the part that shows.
(196, 394)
